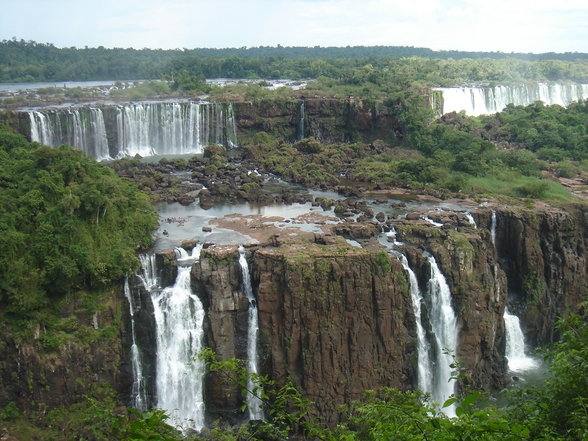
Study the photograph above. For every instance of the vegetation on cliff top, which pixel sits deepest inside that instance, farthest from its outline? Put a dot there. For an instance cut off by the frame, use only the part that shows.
(505, 154)
(67, 223)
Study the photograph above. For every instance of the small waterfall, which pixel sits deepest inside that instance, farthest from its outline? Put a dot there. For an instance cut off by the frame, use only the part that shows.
(470, 219)
(301, 122)
(254, 403)
(179, 317)
(444, 326)
(493, 228)
(144, 129)
(424, 367)
(138, 391)
(486, 100)
(518, 361)
(431, 221)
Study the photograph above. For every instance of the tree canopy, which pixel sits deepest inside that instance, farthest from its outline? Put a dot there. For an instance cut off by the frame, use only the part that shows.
(66, 222)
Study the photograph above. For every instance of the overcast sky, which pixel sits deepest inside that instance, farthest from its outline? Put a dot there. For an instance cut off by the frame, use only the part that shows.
(480, 25)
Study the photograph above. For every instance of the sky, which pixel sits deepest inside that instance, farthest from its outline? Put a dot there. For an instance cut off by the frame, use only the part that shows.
(472, 25)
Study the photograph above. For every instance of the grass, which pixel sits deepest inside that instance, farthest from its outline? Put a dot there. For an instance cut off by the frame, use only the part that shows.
(519, 186)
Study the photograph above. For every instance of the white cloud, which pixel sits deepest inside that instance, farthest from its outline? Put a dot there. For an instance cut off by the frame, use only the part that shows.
(505, 25)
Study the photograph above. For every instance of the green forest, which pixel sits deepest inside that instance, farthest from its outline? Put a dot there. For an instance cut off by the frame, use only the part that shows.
(67, 224)
(26, 61)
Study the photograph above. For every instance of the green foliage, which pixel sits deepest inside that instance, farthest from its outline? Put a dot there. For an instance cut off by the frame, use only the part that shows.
(67, 223)
(212, 150)
(554, 132)
(390, 414)
(24, 61)
(289, 413)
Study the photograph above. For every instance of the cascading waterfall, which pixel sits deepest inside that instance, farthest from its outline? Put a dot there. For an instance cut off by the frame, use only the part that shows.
(254, 403)
(145, 129)
(486, 100)
(515, 341)
(179, 317)
(301, 122)
(424, 371)
(138, 391)
(444, 327)
(83, 128)
(470, 219)
(493, 228)
(515, 354)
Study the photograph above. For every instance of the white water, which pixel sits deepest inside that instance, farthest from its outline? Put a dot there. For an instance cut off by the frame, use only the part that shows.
(431, 221)
(518, 360)
(424, 366)
(487, 100)
(82, 128)
(444, 326)
(179, 318)
(145, 129)
(470, 219)
(138, 391)
(148, 271)
(425, 370)
(254, 403)
(301, 122)
(493, 228)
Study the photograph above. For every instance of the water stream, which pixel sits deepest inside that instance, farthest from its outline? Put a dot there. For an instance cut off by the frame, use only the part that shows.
(179, 316)
(254, 403)
(138, 390)
(444, 327)
(515, 353)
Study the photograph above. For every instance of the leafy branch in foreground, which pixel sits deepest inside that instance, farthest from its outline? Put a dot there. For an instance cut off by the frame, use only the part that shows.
(288, 412)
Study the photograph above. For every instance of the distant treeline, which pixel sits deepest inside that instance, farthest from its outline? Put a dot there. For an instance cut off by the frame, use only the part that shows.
(27, 61)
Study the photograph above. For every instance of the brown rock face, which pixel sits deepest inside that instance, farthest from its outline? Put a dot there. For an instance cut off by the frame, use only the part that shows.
(478, 289)
(543, 253)
(336, 325)
(326, 120)
(42, 375)
(217, 280)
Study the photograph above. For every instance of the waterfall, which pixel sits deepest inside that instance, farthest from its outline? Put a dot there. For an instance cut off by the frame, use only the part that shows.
(145, 129)
(424, 367)
(179, 317)
(138, 391)
(482, 100)
(515, 345)
(83, 128)
(444, 327)
(493, 228)
(301, 122)
(431, 221)
(151, 129)
(254, 403)
(470, 219)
